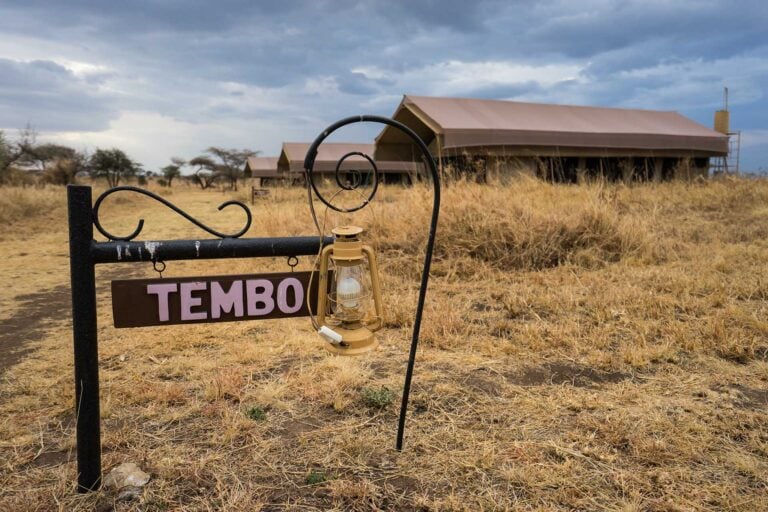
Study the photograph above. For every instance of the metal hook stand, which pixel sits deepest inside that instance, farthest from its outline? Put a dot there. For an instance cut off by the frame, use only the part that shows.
(309, 163)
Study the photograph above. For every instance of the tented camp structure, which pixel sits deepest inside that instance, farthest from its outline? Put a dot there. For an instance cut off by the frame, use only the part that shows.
(291, 162)
(478, 137)
(262, 170)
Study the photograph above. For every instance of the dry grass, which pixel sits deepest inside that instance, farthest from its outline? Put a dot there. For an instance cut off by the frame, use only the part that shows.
(24, 202)
(584, 348)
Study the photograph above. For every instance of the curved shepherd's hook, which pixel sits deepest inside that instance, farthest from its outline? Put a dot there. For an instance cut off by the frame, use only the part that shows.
(170, 205)
(309, 163)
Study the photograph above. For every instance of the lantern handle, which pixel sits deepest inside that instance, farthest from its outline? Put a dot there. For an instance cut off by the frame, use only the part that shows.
(376, 323)
(322, 289)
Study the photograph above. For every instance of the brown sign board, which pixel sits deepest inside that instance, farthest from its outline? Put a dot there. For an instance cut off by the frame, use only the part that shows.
(190, 300)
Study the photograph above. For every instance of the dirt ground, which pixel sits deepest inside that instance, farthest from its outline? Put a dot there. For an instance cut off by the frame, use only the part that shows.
(584, 348)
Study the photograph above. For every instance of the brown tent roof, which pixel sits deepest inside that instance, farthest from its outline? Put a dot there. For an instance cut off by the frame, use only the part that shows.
(464, 123)
(262, 166)
(329, 153)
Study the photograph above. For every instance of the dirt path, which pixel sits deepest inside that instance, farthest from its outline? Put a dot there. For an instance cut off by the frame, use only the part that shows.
(36, 313)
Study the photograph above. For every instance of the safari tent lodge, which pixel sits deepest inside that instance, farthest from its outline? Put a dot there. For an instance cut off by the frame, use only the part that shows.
(479, 138)
(263, 170)
(329, 154)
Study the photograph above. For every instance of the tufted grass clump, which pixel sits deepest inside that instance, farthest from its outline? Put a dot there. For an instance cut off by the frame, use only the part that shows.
(315, 477)
(377, 398)
(256, 413)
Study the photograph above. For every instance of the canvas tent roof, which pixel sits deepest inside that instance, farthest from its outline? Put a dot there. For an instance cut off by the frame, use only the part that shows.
(329, 153)
(262, 166)
(467, 123)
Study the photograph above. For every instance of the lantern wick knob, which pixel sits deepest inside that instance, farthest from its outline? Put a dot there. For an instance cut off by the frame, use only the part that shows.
(347, 231)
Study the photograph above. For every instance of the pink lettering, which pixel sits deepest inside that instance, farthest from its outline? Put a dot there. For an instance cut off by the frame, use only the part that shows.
(282, 295)
(188, 301)
(225, 302)
(162, 291)
(264, 297)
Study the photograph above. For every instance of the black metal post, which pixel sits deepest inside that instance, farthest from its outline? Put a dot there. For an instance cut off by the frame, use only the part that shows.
(82, 271)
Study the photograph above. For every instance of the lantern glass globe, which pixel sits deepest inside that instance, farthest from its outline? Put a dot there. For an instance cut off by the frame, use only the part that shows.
(350, 292)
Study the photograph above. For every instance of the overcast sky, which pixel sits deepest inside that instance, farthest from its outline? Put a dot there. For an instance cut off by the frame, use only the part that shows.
(169, 78)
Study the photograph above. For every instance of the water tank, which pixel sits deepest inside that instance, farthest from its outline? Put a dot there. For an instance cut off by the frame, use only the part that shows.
(723, 121)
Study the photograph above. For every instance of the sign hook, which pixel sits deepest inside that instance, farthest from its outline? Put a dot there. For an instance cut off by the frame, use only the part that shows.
(159, 267)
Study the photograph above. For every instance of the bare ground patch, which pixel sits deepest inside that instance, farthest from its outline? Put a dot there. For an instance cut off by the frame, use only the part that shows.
(559, 373)
(37, 313)
(29, 323)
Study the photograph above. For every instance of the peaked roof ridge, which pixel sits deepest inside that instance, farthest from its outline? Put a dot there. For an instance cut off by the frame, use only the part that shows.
(532, 103)
(470, 122)
(331, 143)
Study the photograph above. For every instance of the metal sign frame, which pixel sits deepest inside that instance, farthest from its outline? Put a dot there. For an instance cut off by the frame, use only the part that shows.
(85, 253)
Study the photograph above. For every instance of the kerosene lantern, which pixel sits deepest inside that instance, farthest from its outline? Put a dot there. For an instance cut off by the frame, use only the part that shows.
(343, 315)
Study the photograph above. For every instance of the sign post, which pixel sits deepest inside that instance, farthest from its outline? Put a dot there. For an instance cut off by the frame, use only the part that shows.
(82, 271)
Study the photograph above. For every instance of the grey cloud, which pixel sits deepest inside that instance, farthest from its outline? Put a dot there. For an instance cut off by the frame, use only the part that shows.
(687, 28)
(359, 84)
(506, 91)
(458, 15)
(171, 57)
(50, 97)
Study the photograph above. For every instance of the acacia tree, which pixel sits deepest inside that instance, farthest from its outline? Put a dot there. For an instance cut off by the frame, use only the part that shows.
(112, 164)
(5, 156)
(59, 164)
(173, 170)
(206, 173)
(231, 162)
(43, 156)
(12, 153)
(63, 171)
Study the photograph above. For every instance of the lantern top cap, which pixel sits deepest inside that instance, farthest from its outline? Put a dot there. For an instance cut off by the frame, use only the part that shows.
(347, 231)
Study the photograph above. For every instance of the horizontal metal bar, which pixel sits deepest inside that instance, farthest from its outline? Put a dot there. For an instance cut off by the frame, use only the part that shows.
(169, 250)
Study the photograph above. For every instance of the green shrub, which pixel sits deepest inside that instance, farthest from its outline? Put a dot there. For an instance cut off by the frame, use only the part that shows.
(256, 413)
(315, 477)
(377, 398)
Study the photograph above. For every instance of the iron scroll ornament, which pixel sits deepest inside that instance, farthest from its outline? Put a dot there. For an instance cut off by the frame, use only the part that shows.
(309, 163)
(357, 176)
(170, 205)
